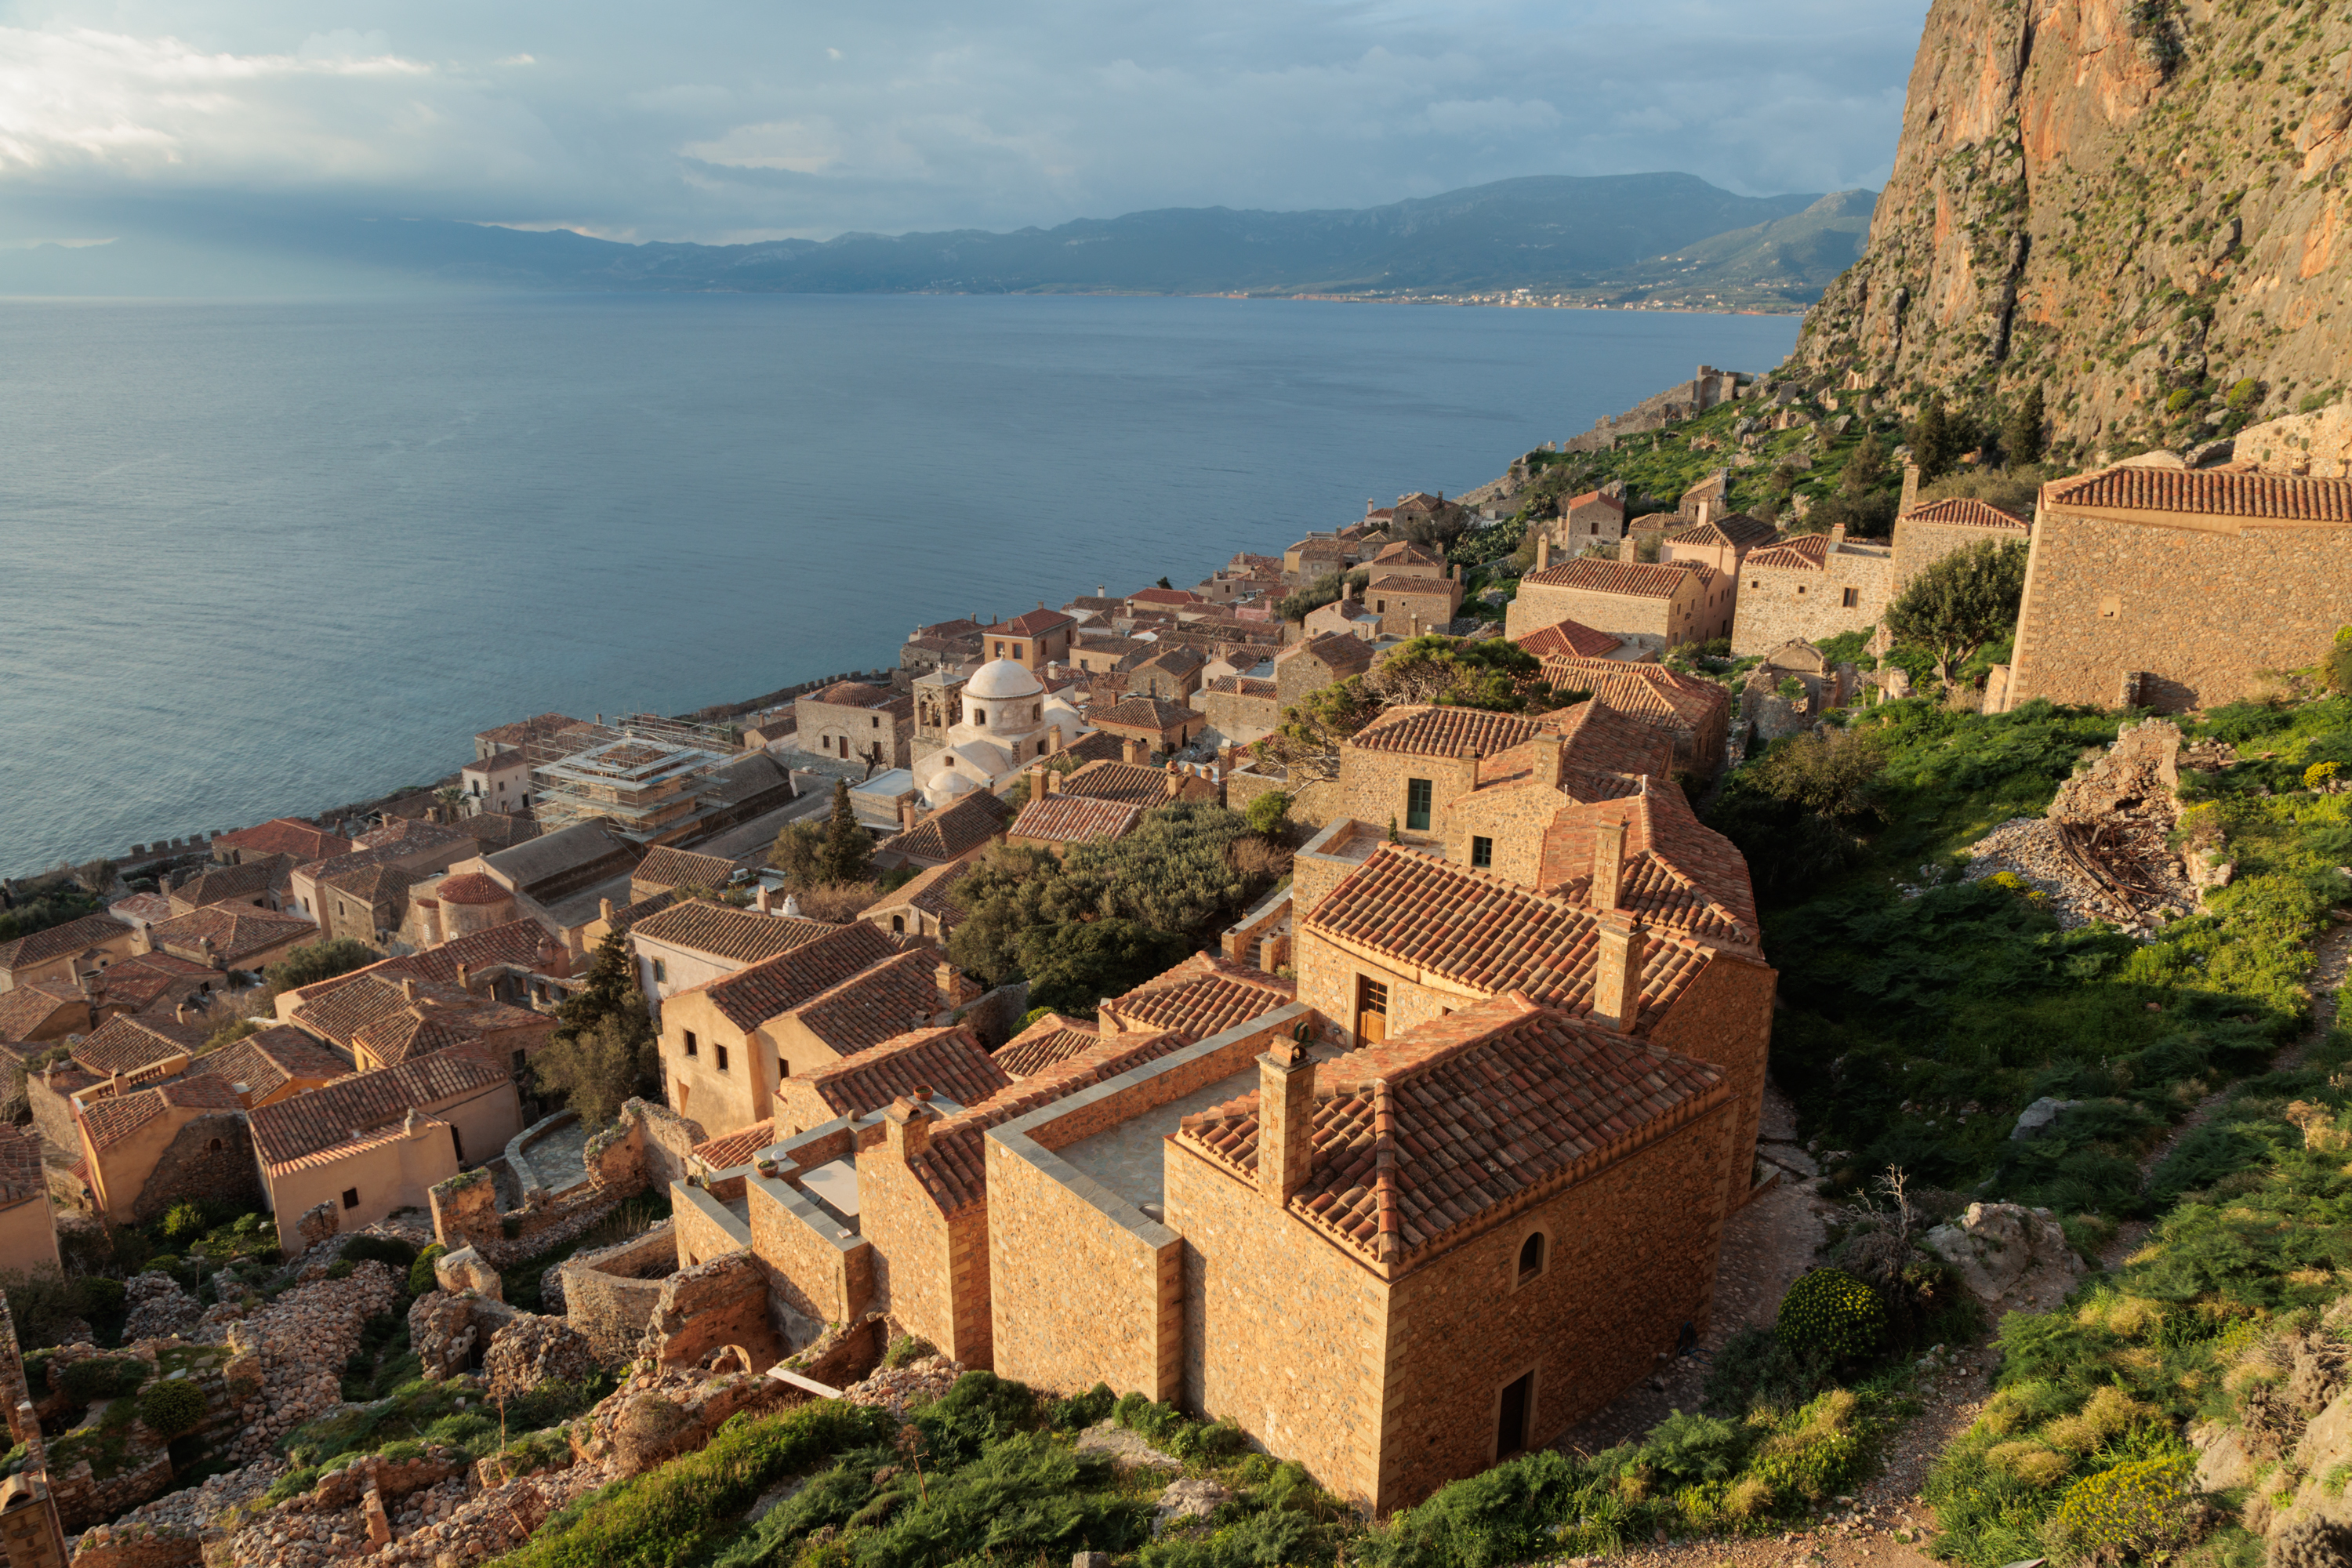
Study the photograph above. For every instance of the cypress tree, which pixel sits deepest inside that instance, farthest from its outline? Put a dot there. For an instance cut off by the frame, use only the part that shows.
(2026, 436)
(1933, 443)
(848, 853)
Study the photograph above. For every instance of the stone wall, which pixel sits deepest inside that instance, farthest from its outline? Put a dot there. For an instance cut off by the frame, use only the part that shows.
(209, 1160)
(1724, 1018)
(466, 1211)
(1919, 545)
(930, 1269)
(611, 1295)
(1238, 715)
(847, 1354)
(711, 1306)
(703, 1226)
(817, 1266)
(1781, 604)
(1374, 788)
(139, 1546)
(2202, 614)
(1541, 604)
(996, 1017)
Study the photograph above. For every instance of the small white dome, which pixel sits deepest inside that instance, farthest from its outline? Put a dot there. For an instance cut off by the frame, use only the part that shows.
(1002, 679)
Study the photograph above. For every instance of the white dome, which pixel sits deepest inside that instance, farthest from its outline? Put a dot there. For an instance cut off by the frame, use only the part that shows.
(1001, 680)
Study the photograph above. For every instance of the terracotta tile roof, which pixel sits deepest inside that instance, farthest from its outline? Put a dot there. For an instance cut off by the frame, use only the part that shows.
(664, 867)
(1201, 996)
(1147, 715)
(1174, 660)
(1094, 746)
(125, 1045)
(1051, 1040)
(740, 936)
(889, 999)
(1593, 498)
(850, 694)
(1806, 552)
(932, 891)
(436, 1023)
(1243, 686)
(315, 1124)
(774, 986)
(1343, 655)
(518, 942)
(1165, 597)
(1031, 624)
(522, 731)
(52, 942)
(140, 909)
(221, 884)
(950, 629)
(21, 1177)
(409, 834)
(238, 931)
(947, 1062)
(472, 888)
(1421, 731)
(142, 980)
(737, 1148)
(1133, 783)
(1073, 818)
(1405, 554)
(1410, 585)
(1965, 511)
(265, 1063)
(1679, 874)
(627, 917)
(2207, 492)
(954, 1173)
(1428, 1132)
(110, 1121)
(1477, 931)
(1737, 530)
(285, 836)
(1650, 692)
(951, 832)
(1634, 579)
(1569, 639)
(27, 1007)
(1255, 566)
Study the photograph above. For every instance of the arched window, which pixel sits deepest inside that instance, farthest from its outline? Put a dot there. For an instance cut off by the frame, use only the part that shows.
(215, 1146)
(980, 716)
(899, 924)
(1531, 1257)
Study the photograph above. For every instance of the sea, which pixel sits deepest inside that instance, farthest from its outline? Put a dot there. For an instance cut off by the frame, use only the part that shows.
(269, 558)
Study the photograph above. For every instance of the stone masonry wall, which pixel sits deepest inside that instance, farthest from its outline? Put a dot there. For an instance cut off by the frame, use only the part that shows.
(1919, 545)
(2204, 613)
(466, 1211)
(930, 1269)
(1539, 605)
(610, 1296)
(1779, 605)
(715, 1304)
(816, 1272)
(1375, 784)
(191, 1170)
(1724, 1018)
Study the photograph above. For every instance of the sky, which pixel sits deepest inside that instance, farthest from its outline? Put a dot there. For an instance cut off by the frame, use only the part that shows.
(724, 121)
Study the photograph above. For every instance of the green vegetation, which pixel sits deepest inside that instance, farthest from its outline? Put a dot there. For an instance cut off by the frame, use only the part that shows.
(103, 1377)
(1960, 602)
(1831, 1313)
(402, 1422)
(169, 1406)
(839, 852)
(602, 1051)
(316, 961)
(63, 895)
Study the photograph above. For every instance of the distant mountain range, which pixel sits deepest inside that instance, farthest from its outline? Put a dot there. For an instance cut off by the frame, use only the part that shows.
(1622, 236)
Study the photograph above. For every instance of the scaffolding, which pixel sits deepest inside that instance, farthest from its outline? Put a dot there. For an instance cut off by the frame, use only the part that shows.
(644, 774)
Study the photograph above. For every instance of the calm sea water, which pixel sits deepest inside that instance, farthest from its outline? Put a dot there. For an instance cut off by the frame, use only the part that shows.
(269, 558)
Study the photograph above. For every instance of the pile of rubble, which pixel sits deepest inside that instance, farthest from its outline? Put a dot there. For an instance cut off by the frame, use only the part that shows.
(296, 1345)
(2103, 852)
(894, 1388)
(160, 1308)
(189, 1510)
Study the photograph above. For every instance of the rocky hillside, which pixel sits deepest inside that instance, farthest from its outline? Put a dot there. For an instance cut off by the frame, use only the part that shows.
(2140, 203)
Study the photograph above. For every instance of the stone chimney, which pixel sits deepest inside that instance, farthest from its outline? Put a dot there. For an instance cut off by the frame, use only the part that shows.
(1468, 762)
(1175, 782)
(1286, 1110)
(212, 957)
(1053, 738)
(605, 910)
(1131, 752)
(1608, 864)
(946, 977)
(408, 987)
(907, 1125)
(1617, 971)
(464, 975)
(1706, 512)
(1549, 745)
(1910, 491)
(1629, 549)
(1543, 551)
(767, 899)
(906, 816)
(146, 942)
(1837, 537)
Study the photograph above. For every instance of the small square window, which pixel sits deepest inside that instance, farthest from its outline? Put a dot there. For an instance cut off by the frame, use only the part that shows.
(350, 1197)
(722, 1053)
(690, 1049)
(1853, 598)
(1482, 853)
(660, 974)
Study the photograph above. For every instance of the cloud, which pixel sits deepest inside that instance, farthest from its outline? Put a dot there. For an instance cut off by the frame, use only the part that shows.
(780, 117)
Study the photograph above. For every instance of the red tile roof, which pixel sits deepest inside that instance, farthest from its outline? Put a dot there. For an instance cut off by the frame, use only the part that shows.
(247, 880)
(1074, 818)
(238, 931)
(1571, 640)
(1031, 624)
(522, 731)
(1635, 579)
(409, 835)
(27, 1007)
(1593, 498)
(285, 836)
(519, 943)
(21, 1177)
(1144, 715)
(1201, 996)
(932, 892)
(316, 1123)
(740, 936)
(951, 832)
(851, 694)
(1424, 731)
(1648, 692)
(947, 1062)
(52, 942)
(1482, 934)
(143, 979)
(1737, 530)
(265, 1063)
(1401, 584)
(774, 986)
(2207, 492)
(1137, 784)
(110, 1121)
(665, 867)
(889, 999)
(125, 1045)
(472, 888)
(1241, 686)
(1806, 552)
(1342, 654)
(1419, 1136)
(1163, 596)
(1679, 874)
(1965, 511)
(736, 1148)
(1051, 1040)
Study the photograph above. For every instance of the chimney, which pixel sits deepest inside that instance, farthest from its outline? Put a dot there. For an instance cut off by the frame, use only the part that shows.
(1053, 782)
(906, 816)
(408, 987)
(1548, 746)
(553, 958)
(1629, 549)
(1131, 752)
(1053, 738)
(1608, 864)
(1837, 535)
(945, 975)
(1468, 764)
(605, 910)
(1910, 489)
(1286, 1109)
(1543, 551)
(1175, 782)
(465, 974)
(1706, 512)
(146, 942)
(767, 899)
(1102, 590)
(907, 1125)
(1037, 783)
(1617, 973)
(1270, 953)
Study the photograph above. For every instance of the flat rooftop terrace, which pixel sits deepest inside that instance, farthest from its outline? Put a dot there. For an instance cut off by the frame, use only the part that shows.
(1130, 1158)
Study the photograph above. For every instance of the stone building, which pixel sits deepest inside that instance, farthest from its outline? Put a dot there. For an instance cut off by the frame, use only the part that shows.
(1925, 534)
(1033, 640)
(1411, 605)
(1008, 720)
(1171, 676)
(1812, 588)
(1719, 542)
(1242, 708)
(231, 937)
(948, 1064)
(856, 722)
(694, 941)
(948, 834)
(182, 1139)
(380, 1020)
(1317, 662)
(286, 835)
(499, 782)
(924, 909)
(2174, 589)
(1693, 713)
(1573, 639)
(1350, 614)
(1627, 599)
(1596, 517)
(261, 881)
(1162, 726)
(43, 1010)
(71, 952)
(29, 1230)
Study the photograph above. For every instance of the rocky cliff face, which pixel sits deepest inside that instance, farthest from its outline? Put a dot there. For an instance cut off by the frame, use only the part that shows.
(2140, 203)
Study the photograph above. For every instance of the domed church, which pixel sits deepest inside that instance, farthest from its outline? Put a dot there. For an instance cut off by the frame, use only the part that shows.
(1009, 722)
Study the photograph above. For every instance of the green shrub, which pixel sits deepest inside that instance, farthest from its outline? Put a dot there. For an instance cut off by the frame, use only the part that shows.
(171, 1405)
(379, 1249)
(421, 1278)
(675, 1515)
(1171, 1431)
(1693, 1448)
(2137, 1511)
(342, 1269)
(104, 1377)
(184, 1220)
(1082, 1410)
(1831, 1310)
(980, 1409)
(907, 1348)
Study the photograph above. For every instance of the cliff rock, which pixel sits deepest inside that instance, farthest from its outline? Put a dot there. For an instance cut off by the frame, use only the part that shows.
(2124, 200)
